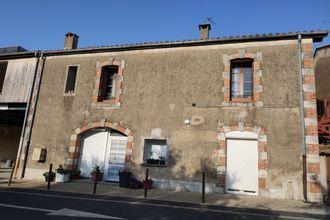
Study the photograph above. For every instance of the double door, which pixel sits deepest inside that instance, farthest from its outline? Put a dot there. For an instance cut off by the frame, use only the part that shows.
(100, 148)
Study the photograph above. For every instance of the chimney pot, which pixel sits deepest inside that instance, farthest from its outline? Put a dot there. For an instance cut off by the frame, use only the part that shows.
(71, 41)
(204, 30)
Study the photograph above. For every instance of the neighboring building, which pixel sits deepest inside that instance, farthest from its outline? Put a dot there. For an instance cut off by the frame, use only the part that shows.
(322, 79)
(230, 107)
(16, 78)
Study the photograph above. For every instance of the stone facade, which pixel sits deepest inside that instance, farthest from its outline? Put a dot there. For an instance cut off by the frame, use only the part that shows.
(181, 94)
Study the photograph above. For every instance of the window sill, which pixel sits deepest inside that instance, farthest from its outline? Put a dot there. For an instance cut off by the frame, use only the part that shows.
(243, 100)
(153, 165)
(257, 104)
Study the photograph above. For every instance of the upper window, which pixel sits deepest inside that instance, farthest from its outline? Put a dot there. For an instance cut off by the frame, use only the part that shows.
(71, 79)
(241, 80)
(3, 69)
(155, 151)
(107, 84)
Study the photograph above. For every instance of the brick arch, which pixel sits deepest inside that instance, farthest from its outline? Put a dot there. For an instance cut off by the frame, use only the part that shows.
(262, 153)
(75, 141)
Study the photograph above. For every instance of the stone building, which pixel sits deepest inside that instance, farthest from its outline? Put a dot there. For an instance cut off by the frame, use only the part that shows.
(322, 78)
(241, 109)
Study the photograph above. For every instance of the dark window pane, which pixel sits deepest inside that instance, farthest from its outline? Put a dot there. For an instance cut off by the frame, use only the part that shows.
(108, 82)
(247, 74)
(71, 79)
(3, 69)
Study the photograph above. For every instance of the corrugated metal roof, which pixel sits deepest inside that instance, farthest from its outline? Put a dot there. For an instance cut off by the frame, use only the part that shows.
(13, 49)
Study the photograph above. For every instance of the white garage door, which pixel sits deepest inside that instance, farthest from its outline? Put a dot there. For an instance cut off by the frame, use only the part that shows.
(93, 148)
(242, 166)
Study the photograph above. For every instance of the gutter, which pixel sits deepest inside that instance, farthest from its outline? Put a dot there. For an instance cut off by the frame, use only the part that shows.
(302, 120)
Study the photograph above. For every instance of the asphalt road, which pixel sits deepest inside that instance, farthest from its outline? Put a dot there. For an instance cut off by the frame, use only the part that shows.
(36, 204)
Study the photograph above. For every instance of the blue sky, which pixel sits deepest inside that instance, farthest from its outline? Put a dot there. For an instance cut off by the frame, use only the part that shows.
(41, 24)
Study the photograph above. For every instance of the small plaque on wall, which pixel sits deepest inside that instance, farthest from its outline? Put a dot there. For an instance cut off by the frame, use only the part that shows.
(39, 154)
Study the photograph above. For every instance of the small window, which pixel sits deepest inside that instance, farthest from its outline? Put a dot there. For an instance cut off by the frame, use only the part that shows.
(3, 69)
(241, 80)
(155, 152)
(107, 85)
(71, 79)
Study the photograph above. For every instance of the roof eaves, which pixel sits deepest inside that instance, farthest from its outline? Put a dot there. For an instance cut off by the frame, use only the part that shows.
(316, 35)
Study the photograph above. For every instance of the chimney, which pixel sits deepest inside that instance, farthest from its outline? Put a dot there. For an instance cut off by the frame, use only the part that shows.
(204, 30)
(71, 41)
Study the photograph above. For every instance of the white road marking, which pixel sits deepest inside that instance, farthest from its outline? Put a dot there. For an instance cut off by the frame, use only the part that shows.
(163, 205)
(62, 212)
(75, 213)
(24, 207)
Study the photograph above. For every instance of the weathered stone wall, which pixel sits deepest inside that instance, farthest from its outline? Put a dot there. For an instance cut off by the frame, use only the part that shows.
(160, 89)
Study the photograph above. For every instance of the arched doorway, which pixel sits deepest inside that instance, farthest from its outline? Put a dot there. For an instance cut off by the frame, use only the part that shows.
(103, 144)
(105, 148)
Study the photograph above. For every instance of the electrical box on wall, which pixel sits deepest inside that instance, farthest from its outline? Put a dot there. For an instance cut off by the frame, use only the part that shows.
(39, 154)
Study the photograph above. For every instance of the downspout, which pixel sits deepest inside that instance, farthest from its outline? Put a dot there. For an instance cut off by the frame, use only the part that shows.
(26, 150)
(302, 115)
(19, 151)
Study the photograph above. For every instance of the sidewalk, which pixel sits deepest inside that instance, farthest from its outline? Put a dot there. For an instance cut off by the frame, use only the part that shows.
(228, 200)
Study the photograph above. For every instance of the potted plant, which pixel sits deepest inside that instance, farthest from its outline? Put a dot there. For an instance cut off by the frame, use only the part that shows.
(97, 172)
(62, 175)
(75, 174)
(147, 184)
(51, 176)
(162, 160)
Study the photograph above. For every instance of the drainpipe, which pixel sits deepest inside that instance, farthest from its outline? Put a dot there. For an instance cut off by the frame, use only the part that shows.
(302, 115)
(26, 150)
(19, 151)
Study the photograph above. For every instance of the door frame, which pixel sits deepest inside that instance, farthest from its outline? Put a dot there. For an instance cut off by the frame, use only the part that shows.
(107, 154)
(224, 132)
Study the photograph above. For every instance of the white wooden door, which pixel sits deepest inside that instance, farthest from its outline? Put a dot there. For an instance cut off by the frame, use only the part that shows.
(242, 166)
(115, 157)
(92, 153)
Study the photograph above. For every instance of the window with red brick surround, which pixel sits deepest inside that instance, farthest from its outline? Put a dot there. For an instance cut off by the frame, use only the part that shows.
(108, 84)
(242, 79)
